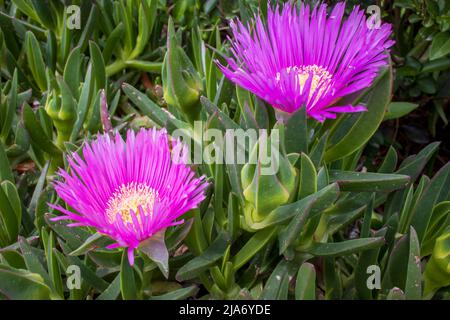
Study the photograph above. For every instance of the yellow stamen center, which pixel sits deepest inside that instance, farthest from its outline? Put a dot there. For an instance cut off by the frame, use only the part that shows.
(130, 197)
(320, 78)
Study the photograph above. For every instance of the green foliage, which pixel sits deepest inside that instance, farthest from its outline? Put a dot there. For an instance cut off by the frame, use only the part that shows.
(422, 54)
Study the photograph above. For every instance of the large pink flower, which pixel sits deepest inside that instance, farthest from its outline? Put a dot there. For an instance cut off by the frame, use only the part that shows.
(304, 57)
(129, 190)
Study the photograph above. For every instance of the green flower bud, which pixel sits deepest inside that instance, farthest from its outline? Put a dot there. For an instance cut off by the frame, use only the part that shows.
(268, 180)
(437, 271)
(182, 85)
(62, 110)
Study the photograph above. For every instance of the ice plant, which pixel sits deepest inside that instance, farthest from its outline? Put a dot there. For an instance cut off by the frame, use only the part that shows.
(129, 190)
(304, 57)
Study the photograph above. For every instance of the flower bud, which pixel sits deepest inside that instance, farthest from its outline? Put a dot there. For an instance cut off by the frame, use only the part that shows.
(268, 180)
(181, 83)
(62, 110)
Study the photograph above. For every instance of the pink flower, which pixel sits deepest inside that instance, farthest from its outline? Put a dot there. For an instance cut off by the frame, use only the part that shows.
(304, 57)
(129, 190)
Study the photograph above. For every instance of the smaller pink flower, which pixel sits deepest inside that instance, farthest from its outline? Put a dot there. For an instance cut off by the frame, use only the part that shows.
(307, 57)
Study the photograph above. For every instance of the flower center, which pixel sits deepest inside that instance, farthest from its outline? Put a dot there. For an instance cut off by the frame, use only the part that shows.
(130, 197)
(320, 78)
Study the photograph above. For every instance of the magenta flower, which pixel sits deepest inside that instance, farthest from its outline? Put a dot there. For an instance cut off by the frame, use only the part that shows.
(302, 57)
(129, 190)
